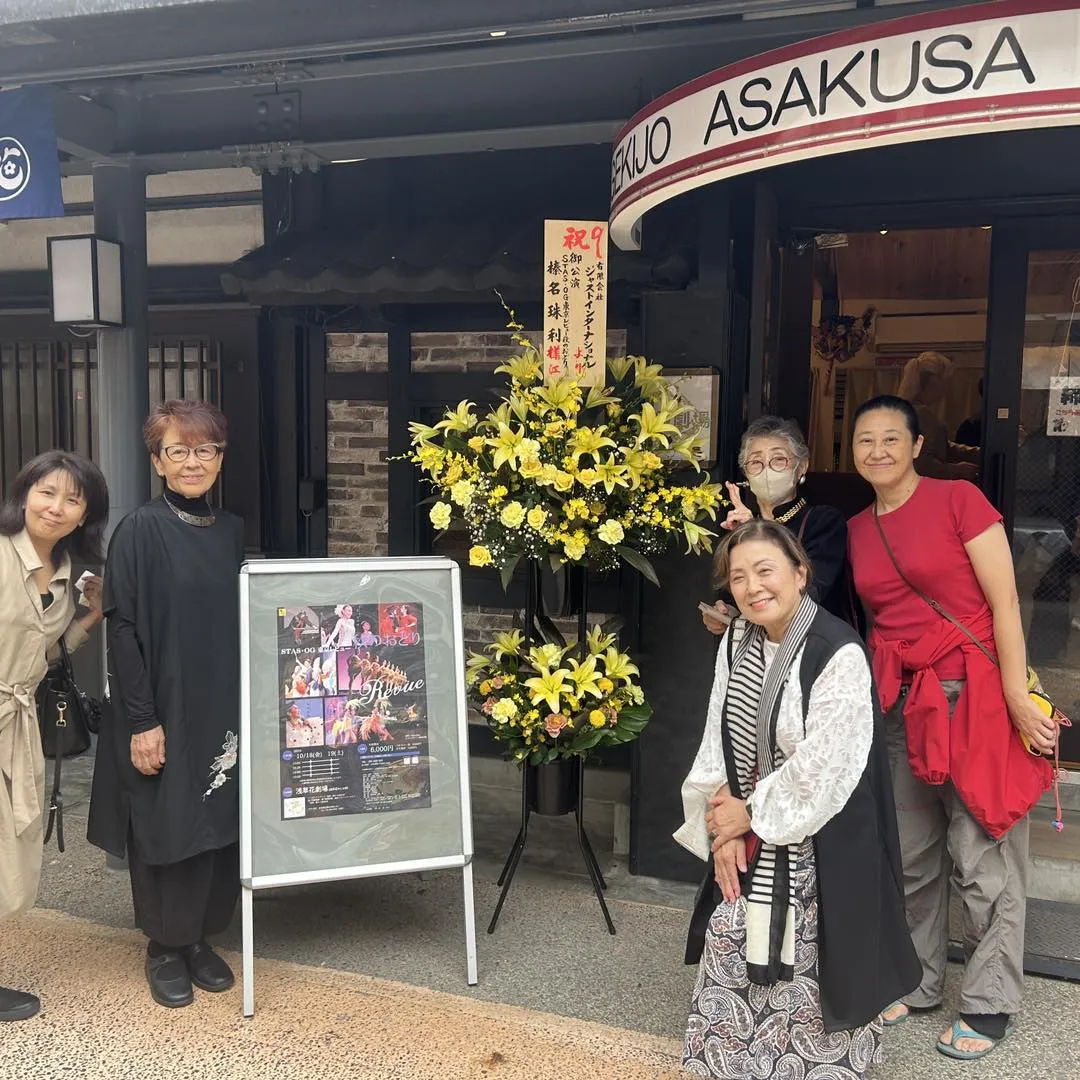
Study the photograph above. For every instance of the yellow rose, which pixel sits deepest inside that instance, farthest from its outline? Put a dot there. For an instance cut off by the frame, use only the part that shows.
(440, 515)
(485, 687)
(476, 443)
(605, 684)
(513, 515)
(530, 467)
(479, 556)
(587, 477)
(564, 481)
(597, 718)
(536, 517)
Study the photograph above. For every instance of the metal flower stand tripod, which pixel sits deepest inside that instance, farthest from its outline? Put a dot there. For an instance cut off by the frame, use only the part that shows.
(557, 788)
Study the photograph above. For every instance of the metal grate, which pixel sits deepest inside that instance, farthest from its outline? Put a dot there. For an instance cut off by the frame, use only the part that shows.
(48, 391)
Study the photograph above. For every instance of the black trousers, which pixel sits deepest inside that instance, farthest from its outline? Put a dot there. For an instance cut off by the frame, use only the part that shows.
(182, 903)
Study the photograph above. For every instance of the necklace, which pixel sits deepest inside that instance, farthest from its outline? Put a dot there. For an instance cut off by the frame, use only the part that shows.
(787, 515)
(189, 519)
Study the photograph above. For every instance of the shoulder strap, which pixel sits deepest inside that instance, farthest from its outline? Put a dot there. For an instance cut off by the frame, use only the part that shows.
(927, 599)
(802, 524)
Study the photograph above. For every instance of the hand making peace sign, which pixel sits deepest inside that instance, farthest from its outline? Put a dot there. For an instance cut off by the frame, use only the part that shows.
(739, 514)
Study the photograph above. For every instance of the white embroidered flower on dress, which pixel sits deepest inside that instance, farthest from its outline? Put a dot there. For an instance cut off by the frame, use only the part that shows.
(220, 766)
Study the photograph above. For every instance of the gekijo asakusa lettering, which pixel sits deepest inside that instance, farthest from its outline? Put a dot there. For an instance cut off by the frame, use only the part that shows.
(949, 63)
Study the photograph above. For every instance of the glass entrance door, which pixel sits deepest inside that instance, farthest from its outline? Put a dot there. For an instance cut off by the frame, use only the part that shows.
(1046, 506)
(1032, 446)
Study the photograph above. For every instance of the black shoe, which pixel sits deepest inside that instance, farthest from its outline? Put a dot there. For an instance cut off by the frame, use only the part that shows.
(15, 1005)
(170, 984)
(208, 971)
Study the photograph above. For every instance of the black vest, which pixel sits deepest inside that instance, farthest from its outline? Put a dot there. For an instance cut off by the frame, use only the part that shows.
(866, 960)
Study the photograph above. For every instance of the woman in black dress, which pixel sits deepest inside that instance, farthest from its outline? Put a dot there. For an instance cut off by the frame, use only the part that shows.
(165, 782)
(774, 458)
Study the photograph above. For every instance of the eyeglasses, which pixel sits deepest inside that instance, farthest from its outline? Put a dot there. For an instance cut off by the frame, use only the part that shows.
(178, 452)
(778, 463)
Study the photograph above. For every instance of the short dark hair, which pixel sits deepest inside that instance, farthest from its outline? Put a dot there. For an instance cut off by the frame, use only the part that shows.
(195, 419)
(759, 529)
(84, 544)
(894, 404)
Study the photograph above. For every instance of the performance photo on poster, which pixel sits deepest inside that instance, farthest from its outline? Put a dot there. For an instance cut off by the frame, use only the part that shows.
(353, 709)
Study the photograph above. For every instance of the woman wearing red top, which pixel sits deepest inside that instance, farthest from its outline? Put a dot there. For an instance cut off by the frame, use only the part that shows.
(963, 780)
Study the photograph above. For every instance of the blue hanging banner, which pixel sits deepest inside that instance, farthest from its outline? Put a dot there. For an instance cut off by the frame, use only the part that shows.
(29, 162)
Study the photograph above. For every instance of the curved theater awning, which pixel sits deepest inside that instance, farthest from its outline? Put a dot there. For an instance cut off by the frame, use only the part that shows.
(961, 71)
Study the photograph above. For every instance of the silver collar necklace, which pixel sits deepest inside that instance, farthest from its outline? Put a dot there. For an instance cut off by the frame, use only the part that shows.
(188, 519)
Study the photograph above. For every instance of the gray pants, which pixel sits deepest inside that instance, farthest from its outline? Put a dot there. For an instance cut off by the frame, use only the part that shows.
(939, 841)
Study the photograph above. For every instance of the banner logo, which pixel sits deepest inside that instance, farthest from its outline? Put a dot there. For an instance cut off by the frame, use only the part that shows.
(14, 168)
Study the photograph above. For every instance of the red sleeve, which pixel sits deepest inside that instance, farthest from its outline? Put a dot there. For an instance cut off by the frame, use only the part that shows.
(972, 512)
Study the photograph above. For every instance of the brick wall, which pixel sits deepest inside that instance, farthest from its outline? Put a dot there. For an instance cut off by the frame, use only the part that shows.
(356, 449)
(481, 352)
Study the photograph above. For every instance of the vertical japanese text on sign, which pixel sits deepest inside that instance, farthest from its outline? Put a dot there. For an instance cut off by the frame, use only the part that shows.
(575, 300)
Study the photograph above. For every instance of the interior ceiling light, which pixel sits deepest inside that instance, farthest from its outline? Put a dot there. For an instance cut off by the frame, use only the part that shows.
(884, 232)
(496, 33)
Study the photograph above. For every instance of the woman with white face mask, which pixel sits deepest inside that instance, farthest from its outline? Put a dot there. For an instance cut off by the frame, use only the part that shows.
(774, 459)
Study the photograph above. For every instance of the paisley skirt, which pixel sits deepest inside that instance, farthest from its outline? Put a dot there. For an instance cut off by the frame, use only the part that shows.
(743, 1031)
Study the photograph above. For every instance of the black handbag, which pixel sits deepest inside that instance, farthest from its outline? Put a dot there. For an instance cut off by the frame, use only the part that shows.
(66, 718)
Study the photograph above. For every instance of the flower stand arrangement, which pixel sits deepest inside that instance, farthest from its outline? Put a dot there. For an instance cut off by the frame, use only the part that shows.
(578, 479)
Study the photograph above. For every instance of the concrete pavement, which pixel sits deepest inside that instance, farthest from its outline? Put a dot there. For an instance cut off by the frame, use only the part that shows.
(594, 1005)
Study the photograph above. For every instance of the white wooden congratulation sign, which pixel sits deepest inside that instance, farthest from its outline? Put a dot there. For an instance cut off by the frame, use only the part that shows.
(958, 71)
(575, 300)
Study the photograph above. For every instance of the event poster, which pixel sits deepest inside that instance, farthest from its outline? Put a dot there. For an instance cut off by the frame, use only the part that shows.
(353, 704)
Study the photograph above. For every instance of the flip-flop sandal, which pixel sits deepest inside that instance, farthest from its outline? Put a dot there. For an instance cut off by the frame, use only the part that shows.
(960, 1030)
(896, 1021)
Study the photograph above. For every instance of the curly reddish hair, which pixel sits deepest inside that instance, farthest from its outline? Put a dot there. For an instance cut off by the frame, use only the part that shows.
(196, 422)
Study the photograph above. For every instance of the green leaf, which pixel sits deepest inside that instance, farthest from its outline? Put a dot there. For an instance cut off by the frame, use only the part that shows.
(590, 738)
(638, 562)
(506, 571)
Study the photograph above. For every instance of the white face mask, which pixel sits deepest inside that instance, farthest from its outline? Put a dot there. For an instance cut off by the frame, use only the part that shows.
(773, 487)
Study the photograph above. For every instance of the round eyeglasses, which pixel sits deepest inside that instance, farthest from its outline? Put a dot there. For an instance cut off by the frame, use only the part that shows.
(179, 452)
(777, 463)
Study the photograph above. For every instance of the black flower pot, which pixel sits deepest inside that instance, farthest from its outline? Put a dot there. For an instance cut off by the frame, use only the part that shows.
(553, 788)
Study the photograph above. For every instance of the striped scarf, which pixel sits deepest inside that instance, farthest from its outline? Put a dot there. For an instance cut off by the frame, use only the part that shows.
(748, 735)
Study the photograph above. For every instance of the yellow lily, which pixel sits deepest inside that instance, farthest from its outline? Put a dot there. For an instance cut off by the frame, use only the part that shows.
(610, 473)
(598, 641)
(618, 665)
(507, 643)
(619, 366)
(649, 378)
(653, 425)
(591, 441)
(459, 419)
(599, 395)
(698, 538)
(422, 434)
(548, 687)
(561, 395)
(585, 677)
(506, 445)
(525, 368)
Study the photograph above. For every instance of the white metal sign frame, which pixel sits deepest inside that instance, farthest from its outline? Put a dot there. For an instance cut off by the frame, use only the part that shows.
(463, 861)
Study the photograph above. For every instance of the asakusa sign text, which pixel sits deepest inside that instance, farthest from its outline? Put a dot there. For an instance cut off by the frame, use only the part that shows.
(926, 76)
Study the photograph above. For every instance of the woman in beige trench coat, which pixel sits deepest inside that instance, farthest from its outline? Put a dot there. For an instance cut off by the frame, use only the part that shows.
(57, 507)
